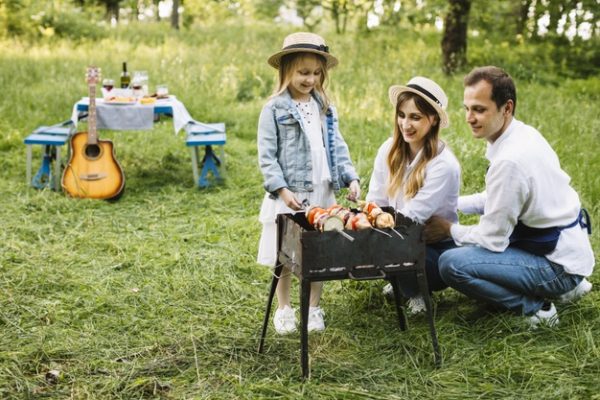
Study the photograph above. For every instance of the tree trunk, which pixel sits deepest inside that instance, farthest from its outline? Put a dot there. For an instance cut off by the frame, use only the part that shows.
(156, 3)
(522, 16)
(556, 11)
(112, 10)
(175, 15)
(345, 13)
(454, 42)
(335, 14)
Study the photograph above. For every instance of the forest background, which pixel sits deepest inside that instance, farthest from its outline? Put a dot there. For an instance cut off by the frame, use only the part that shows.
(158, 295)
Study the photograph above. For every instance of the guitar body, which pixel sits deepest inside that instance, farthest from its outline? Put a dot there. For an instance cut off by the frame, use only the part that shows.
(93, 171)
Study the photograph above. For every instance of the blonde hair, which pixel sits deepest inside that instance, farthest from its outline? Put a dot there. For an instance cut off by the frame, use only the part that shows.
(399, 156)
(288, 65)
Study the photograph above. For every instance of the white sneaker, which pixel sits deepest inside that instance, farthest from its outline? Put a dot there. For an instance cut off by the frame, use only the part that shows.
(415, 305)
(285, 320)
(388, 290)
(315, 319)
(577, 293)
(544, 317)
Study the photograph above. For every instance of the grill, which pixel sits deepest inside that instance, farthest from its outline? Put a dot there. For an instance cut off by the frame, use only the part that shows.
(359, 255)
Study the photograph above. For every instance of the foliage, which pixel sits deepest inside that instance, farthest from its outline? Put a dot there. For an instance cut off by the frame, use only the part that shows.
(551, 60)
(33, 20)
(72, 23)
(158, 295)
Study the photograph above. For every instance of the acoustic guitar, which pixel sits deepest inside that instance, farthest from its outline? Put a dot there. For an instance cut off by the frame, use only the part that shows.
(93, 172)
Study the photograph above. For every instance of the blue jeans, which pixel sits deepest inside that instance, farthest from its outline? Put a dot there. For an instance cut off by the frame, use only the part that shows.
(513, 279)
(408, 284)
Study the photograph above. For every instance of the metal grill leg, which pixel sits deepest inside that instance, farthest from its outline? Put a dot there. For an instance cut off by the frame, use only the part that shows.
(397, 299)
(304, 304)
(276, 275)
(424, 289)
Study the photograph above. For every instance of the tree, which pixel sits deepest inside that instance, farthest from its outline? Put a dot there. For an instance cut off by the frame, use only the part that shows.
(112, 8)
(175, 15)
(309, 11)
(522, 15)
(454, 42)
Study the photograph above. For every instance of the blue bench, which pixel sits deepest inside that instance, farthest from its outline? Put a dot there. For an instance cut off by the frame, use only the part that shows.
(52, 138)
(207, 135)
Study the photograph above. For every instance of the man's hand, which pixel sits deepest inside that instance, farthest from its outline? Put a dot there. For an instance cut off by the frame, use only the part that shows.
(354, 191)
(436, 229)
(289, 199)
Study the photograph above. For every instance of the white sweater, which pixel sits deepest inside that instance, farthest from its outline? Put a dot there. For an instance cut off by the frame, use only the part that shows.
(438, 195)
(525, 182)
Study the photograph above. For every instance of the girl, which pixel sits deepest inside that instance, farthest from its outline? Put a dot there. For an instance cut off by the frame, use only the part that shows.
(416, 173)
(302, 156)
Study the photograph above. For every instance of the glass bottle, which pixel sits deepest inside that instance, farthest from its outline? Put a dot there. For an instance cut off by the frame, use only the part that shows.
(125, 78)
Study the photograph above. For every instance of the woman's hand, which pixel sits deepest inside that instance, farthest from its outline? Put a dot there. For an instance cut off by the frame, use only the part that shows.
(289, 199)
(436, 229)
(354, 191)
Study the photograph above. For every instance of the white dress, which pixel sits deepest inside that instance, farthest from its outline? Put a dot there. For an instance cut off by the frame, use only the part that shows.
(322, 194)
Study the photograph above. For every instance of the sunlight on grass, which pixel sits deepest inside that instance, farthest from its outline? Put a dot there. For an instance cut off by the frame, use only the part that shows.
(158, 295)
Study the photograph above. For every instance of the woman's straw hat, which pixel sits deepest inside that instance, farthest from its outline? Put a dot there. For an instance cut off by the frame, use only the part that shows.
(305, 42)
(429, 91)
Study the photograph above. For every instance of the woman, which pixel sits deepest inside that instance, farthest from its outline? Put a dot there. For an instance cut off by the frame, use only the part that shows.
(416, 173)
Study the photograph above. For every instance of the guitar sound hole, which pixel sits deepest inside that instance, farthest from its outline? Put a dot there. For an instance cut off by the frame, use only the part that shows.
(92, 151)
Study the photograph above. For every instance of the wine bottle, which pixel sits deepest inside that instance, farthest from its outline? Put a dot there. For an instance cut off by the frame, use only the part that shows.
(125, 78)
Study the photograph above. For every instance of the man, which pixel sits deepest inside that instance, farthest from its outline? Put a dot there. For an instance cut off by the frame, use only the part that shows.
(531, 243)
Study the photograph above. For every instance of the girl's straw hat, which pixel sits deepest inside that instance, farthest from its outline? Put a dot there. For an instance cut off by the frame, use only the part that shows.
(429, 91)
(304, 42)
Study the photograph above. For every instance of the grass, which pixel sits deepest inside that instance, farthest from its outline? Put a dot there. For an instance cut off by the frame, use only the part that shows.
(158, 295)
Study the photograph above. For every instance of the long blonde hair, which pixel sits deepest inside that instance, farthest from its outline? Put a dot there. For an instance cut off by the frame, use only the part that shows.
(399, 155)
(288, 65)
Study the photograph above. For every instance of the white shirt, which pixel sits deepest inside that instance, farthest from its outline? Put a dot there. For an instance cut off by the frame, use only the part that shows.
(311, 119)
(525, 182)
(438, 195)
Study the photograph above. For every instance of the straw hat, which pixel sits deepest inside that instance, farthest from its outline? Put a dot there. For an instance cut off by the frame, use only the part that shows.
(429, 91)
(303, 42)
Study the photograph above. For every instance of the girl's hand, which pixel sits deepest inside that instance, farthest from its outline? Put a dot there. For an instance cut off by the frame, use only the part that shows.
(289, 199)
(354, 191)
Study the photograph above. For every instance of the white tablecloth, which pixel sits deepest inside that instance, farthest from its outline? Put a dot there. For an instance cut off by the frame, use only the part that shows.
(133, 117)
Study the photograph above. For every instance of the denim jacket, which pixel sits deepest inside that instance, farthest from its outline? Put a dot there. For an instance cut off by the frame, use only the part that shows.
(284, 153)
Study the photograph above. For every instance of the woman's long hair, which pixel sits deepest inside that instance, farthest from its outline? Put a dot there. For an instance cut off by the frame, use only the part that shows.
(288, 65)
(399, 155)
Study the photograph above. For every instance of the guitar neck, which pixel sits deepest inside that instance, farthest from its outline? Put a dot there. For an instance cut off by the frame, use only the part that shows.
(92, 133)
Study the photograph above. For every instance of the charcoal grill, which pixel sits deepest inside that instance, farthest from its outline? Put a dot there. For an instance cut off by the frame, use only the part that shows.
(325, 256)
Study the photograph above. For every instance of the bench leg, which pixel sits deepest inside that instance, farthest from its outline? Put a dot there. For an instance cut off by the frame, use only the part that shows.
(194, 150)
(28, 165)
(210, 163)
(222, 162)
(57, 170)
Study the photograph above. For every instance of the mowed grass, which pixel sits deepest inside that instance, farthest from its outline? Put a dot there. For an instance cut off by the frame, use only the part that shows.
(157, 295)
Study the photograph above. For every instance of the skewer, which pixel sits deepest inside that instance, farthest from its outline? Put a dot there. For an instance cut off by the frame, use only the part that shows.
(344, 234)
(380, 231)
(398, 233)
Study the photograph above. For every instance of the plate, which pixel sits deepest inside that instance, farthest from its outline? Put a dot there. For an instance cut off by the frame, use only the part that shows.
(120, 103)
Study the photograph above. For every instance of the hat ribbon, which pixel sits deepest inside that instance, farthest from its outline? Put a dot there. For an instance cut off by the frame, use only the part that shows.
(323, 48)
(425, 92)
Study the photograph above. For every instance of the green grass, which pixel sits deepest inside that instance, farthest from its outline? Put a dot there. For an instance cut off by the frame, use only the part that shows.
(158, 295)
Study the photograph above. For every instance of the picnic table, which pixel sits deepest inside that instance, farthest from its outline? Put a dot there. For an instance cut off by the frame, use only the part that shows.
(123, 116)
(132, 115)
